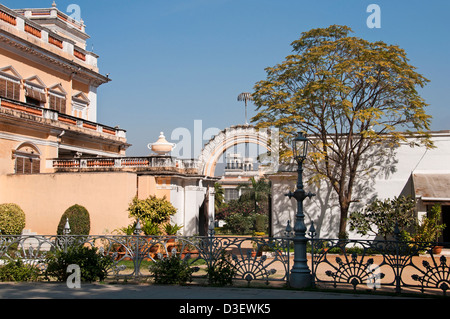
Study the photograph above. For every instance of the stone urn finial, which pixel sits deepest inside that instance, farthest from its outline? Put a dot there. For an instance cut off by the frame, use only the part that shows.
(161, 146)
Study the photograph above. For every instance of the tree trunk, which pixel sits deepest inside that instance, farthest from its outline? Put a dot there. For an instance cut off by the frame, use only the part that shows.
(344, 207)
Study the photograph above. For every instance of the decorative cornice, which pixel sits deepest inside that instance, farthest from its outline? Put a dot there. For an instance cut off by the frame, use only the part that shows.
(45, 57)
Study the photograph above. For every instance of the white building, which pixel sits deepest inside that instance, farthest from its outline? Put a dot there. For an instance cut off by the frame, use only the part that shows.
(417, 171)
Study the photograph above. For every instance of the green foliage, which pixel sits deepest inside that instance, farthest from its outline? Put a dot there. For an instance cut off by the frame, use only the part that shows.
(172, 270)
(380, 217)
(257, 193)
(261, 223)
(240, 224)
(221, 272)
(16, 270)
(219, 196)
(249, 212)
(151, 228)
(12, 219)
(241, 219)
(430, 227)
(235, 207)
(93, 265)
(153, 209)
(153, 214)
(128, 230)
(170, 229)
(79, 221)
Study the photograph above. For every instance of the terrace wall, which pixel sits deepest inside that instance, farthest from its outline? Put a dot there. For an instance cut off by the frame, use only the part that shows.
(105, 195)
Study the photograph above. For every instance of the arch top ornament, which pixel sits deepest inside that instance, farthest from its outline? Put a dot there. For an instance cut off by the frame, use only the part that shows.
(237, 134)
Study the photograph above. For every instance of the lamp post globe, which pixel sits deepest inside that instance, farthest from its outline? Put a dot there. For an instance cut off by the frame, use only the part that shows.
(300, 147)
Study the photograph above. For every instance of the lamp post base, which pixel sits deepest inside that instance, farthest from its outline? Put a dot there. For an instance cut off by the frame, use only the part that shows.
(300, 280)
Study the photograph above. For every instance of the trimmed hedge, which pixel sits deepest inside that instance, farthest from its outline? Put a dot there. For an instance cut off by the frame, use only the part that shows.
(12, 219)
(79, 221)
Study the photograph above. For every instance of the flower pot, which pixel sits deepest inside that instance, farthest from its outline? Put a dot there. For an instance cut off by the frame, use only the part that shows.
(437, 250)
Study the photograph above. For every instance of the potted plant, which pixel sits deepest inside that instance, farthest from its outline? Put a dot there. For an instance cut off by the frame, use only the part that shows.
(191, 249)
(431, 228)
(171, 230)
(435, 213)
(325, 246)
(256, 248)
(150, 230)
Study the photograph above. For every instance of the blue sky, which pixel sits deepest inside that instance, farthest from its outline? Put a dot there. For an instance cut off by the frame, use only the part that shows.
(174, 62)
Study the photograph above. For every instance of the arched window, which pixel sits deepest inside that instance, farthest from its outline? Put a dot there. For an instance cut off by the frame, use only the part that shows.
(27, 159)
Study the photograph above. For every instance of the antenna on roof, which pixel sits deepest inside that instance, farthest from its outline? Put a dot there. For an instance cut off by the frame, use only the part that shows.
(245, 96)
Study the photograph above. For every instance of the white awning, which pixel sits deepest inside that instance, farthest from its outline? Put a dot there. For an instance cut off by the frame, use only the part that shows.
(432, 187)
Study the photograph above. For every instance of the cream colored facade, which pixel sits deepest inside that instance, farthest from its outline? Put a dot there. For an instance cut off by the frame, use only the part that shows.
(48, 91)
(53, 153)
(106, 195)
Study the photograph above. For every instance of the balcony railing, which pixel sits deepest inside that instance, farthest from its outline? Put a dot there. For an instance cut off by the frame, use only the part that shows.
(60, 117)
(8, 18)
(123, 163)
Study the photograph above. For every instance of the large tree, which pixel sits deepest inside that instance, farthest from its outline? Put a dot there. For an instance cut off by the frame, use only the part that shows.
(351, 96)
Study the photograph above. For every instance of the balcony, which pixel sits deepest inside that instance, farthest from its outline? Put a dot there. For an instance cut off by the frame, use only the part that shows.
(134, 164)
(57, 118)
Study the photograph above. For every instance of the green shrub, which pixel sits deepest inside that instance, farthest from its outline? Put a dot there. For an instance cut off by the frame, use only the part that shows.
(172, 270)
(153, 213)
(16, 270)
(93, 265)
(261, 223)
(79, 221)
(221, 273)
(240, 224)
(154, 209)
(12, 219)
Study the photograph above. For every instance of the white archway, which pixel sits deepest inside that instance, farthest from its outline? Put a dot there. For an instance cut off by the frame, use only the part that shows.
(234, 135)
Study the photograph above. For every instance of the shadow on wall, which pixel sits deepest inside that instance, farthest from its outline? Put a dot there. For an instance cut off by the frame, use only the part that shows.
(378, 163)
(192, 227)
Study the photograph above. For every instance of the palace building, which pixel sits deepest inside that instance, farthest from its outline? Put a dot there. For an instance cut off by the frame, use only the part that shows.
(48, 89)
(54, 153)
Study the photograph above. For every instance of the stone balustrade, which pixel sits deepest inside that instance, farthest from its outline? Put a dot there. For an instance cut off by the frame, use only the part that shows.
(125, 163)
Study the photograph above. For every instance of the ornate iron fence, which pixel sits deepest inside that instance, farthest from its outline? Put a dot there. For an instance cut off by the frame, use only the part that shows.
(356, 264)
(253, 259)
(370, 265)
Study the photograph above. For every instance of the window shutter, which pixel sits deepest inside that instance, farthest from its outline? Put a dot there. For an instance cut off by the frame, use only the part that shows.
(27, 163)
(35, 166)
(16, 91)
(19, 165)
(35, 94)
(9, 89)
(57, 103)
(3, 87)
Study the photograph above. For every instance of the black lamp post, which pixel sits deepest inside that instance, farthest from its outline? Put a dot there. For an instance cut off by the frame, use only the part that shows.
(300, 273)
